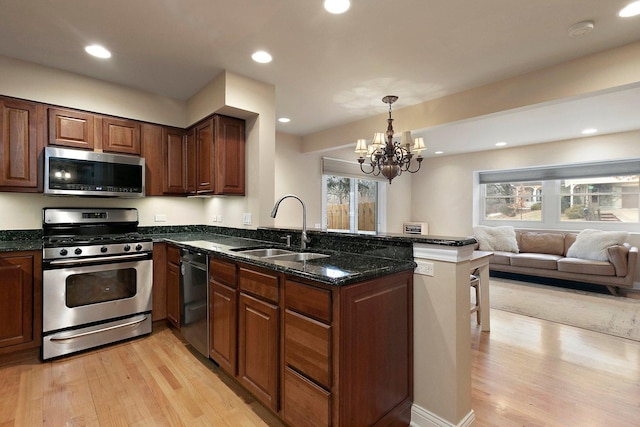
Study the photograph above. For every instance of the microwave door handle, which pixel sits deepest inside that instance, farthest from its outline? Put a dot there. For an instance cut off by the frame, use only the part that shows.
(104, 258)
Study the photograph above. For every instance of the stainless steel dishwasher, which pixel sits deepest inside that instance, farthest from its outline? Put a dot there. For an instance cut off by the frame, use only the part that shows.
(194, 281)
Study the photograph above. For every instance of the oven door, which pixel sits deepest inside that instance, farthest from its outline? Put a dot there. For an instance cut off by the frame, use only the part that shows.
(86, 291)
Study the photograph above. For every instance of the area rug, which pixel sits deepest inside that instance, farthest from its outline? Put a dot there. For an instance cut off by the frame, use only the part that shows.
(618, 316)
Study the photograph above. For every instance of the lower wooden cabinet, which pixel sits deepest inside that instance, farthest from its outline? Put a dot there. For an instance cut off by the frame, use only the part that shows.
(223, 315)
(173, 285)
(305, 404)
(258, 344)
(20, 300)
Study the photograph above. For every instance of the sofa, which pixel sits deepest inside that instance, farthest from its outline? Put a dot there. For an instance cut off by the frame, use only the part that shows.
(549, 254)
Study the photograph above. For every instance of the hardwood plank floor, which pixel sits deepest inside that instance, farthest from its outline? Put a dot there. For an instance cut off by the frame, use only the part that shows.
(531, 372)
(526, 372)
(152, 381)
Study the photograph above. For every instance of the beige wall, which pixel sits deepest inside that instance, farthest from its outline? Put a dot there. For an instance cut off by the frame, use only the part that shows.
(301, 174)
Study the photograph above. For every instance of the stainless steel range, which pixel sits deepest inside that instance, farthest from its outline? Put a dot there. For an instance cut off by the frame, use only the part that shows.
(96, 279)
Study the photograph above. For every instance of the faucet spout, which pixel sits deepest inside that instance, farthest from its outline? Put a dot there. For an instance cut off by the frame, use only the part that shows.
(304, 238)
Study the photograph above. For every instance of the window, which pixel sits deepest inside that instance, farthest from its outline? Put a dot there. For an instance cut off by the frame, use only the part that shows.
(350, 204)
(513, 201)
(566, 196)
(611, 198)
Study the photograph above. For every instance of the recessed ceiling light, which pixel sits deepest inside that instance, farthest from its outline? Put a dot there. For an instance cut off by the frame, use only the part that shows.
(632, 9)
(284, 119)
(500, 144)
(581, 29)
(439, 152)
(97, 51)
(589, 131)
(262, 57)
(337, 6)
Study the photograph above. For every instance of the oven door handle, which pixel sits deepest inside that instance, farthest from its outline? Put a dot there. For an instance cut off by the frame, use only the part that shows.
(104, 258)
(72, 336)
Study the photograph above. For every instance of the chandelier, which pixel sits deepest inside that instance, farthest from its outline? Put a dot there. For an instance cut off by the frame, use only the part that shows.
(387, 157)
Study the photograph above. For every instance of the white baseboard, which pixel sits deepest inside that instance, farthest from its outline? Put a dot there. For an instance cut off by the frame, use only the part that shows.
(420, 417)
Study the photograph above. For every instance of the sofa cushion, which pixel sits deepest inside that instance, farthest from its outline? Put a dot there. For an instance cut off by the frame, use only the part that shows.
(501, 238)
(586, 266)
(499, 257)
(569, 239)
(532, 260)
(542, 243)
(593, 244)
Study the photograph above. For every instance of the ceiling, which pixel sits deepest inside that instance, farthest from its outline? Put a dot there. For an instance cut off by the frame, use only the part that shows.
(333, 69)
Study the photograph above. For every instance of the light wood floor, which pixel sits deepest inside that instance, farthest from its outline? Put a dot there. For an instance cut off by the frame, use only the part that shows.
(526, 372)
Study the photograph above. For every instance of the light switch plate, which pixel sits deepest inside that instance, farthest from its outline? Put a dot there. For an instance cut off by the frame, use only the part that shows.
(160, 218)
(246, 218)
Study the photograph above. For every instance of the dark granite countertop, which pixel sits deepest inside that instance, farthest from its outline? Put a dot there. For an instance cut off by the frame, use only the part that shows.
(352, 257)
(339, 268)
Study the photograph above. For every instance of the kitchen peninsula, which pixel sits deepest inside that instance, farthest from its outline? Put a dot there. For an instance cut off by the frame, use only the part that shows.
(337, 331)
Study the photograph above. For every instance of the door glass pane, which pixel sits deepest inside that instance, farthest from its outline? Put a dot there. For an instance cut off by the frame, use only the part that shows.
(367, 205)
(101, 286)
(338, 203)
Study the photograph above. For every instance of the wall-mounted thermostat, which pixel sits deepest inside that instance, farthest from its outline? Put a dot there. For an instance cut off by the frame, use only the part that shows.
(415, 228)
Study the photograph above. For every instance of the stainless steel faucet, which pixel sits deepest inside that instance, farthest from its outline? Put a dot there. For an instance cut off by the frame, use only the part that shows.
(304, 240)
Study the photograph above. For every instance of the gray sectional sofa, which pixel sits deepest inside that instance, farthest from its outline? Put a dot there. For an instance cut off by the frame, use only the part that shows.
(544, 254)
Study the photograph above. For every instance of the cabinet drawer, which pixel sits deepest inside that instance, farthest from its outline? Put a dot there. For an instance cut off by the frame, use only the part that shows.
(304, 403)
(314, 302)
(259, 283)
(173, 254)
(223, 272)
(307, 347)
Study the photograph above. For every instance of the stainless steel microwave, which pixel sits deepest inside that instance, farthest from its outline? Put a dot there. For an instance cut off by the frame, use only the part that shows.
(87, 173)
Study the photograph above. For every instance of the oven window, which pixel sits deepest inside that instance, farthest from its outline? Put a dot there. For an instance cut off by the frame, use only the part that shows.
(102, 286)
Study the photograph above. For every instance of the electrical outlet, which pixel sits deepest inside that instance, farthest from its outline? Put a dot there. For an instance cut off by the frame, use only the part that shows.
(246, 218)
(219, 218)
(160, 218)
(424, 268)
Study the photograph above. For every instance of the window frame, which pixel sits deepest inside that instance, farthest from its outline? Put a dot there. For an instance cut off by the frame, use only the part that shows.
(552, 195)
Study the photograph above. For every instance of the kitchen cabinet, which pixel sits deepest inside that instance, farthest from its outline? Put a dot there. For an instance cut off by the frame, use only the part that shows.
(258, 334)
(174, 152)
(159, 295)
(348, 352)
(20, 305)
(164, 150)
(229, 155)
(120, 136)
(223, 314)
(216, 156)
(21, 141)
(173, 285)
(72, 128)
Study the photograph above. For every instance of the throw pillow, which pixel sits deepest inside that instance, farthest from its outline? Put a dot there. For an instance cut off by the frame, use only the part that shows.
(593, 244)
(496, 238)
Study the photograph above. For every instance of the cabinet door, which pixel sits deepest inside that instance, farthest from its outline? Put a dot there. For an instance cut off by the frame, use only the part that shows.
(258, 348)
(19, 144)
(175, 161)
(173, 286)
(151, 150)
(159, 281)
(16, 303)
(71, 128)
(120, 136)
(229, 156)
(223, 326)
(192, 156)
(204, 161)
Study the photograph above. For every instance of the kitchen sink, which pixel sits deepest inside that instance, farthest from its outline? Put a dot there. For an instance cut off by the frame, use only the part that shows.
(299, 256)
(266, 252)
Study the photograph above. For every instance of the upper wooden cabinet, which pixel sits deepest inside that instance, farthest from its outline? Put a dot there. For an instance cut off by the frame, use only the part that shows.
(164, 152)
(229, 155)
(71, 128)
(174, 152)
(21, 141)
(120, 136)
(216, 157)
